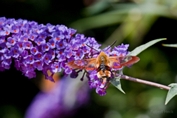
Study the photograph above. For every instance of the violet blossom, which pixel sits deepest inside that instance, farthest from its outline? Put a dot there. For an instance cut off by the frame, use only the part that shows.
(32, 46)
(64, 100)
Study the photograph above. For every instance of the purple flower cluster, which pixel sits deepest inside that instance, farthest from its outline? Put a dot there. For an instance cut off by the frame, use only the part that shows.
(40, 47)
(63, 101)
(32, 46)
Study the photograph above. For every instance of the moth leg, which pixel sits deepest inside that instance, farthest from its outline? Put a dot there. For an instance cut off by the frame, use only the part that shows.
(82, 78)
(106, 82)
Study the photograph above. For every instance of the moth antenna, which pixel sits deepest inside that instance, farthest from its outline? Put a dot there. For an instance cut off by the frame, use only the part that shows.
(111, 45)
(93, 48)
(107, 49)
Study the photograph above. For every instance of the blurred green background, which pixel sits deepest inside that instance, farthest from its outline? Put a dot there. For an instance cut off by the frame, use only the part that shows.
(128, 21)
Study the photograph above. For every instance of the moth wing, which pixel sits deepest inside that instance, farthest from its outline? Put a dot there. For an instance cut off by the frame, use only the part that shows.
(87, 64)
(114, 62)
(74, 65)
(129, 60)
(117, 62)
(90, 64)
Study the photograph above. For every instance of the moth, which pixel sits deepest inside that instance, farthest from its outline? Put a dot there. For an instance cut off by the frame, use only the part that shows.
(104, 65)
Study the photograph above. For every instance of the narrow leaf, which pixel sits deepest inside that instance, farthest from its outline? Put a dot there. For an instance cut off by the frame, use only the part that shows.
(170, 45)
(117, 84)
(96, 21)
(171, 93)
(141, 48)
(96, 8)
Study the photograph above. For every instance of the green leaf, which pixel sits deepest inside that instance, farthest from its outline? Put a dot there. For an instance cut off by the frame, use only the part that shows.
(141, 48)
(116, 83)
(96, 21)
(170, 45)
(171, 93)
(97, 7)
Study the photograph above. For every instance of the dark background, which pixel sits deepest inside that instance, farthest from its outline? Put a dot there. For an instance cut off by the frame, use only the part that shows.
(157, 63)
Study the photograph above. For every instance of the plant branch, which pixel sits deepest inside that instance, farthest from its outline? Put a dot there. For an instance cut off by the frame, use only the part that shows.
(145, 82)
